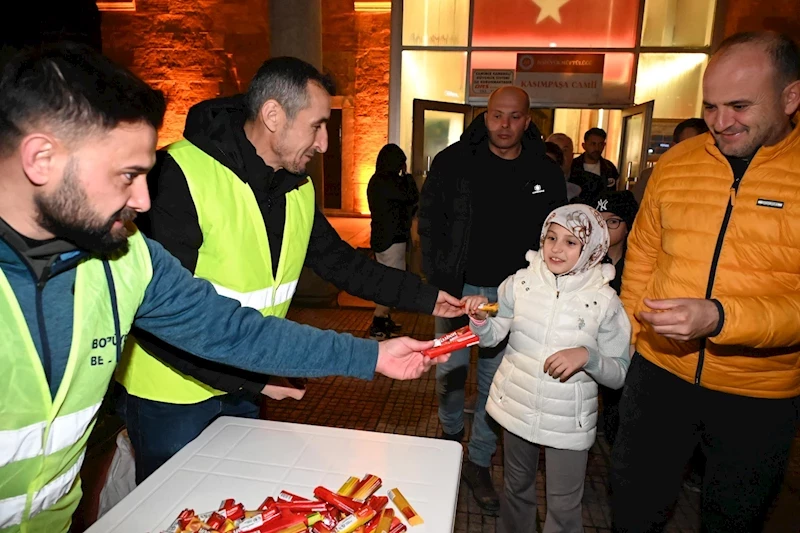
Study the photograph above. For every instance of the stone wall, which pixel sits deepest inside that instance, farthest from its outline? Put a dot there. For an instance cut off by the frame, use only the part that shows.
(355, 53)
(199, 49)
(192, 50)
(372, 98)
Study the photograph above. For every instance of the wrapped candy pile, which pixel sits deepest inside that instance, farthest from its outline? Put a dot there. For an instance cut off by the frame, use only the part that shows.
(354, 508)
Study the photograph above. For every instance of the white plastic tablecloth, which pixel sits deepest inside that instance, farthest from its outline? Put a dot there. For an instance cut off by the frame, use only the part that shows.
(249, 460)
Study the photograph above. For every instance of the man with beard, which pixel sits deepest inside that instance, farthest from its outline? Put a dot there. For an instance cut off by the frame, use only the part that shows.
(497, 174)
(712, 288)
(233, 203)
(591, 163)
(77, 137)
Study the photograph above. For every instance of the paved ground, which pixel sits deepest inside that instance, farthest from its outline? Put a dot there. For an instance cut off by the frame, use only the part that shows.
(410, 408)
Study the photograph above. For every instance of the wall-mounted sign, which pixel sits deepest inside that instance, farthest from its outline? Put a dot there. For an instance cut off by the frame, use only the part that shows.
(561, 78)
(485, 81)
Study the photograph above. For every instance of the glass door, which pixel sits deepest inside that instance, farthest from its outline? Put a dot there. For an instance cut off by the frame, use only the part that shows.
(636, 124)
(436, 125)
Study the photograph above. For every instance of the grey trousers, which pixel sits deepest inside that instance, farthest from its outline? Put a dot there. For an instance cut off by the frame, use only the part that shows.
(395, 257)
(566, 474)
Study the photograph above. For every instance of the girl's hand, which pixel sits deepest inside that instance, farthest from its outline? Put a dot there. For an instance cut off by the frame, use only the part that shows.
(565, 363)
(471, 304)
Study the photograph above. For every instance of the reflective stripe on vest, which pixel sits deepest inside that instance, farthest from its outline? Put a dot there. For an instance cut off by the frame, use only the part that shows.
(235, 257)
(26, 442)
(262, 298)
(43, 439)
(12, 509)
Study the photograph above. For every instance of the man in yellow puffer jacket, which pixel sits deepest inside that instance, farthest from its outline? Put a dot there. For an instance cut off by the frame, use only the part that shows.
(712, 288)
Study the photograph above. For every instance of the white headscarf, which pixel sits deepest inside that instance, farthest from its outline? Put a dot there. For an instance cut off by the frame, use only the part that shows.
(588, 226)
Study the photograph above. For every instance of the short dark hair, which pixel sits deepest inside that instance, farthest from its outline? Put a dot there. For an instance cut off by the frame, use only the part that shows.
(554, 149)
(285, 80)
(595, 131)
(783, 51)
(75, 90)
(697, 124)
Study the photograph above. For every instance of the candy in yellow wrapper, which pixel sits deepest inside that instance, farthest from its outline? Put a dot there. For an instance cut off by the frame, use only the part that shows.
(367, 487)
(349, 487)
(402, 504)
(490, 309)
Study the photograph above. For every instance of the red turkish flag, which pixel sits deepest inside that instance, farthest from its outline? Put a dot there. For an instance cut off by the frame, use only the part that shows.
(556, 23)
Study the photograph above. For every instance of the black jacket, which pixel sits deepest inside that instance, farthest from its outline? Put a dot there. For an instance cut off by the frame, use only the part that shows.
(216, 127)
(608, 172)
(445, 214)
(392, 201)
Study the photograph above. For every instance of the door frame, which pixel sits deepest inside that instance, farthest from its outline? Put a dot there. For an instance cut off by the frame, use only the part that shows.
(645, 109)
(419, 168)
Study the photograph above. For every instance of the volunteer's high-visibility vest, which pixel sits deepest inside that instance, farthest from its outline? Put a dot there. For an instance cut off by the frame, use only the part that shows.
(235, 257)
(43, 440)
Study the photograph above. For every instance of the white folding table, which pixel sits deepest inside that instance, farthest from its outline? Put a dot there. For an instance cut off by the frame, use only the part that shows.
(248, 460)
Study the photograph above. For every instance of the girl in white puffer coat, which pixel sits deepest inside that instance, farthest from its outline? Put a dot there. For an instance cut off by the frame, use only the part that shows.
(568, 332)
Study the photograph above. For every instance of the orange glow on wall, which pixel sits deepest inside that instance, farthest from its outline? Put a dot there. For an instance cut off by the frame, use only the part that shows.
(371, 100)
(363, 174)
(192, 50)
(556, 23)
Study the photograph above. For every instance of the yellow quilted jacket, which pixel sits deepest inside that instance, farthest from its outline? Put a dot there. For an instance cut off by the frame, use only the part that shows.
(695, 237)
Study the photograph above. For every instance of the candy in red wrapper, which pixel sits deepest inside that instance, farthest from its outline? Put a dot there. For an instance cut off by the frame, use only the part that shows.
(329, 517)
(455, 340)
(301, 507)
(266, 504)
(285, 496)
(397, 526)
(320, 527)
(378, 502)
(256, 523)
(287, 522)
(343, 503)
(231, 510)
(185, 517)
(216, 521)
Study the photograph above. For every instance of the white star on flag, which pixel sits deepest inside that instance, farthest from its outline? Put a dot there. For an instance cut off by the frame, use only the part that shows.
(549, 8)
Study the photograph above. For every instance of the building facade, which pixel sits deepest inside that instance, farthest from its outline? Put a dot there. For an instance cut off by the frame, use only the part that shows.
(384, 55)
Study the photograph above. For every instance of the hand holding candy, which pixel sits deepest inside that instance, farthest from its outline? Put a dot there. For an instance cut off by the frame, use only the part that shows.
(471, 305)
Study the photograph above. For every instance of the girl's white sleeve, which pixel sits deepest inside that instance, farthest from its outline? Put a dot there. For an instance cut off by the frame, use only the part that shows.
(608, 365)
(493, 330)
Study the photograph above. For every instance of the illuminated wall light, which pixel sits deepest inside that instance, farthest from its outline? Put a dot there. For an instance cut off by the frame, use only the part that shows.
(373, 7)
(116, 5)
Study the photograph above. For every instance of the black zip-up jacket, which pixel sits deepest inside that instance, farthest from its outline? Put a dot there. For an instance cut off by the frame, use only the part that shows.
(446, 214)
(217, 128)
(608, 172)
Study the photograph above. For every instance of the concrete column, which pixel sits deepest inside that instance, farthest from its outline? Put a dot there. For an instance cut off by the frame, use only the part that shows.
(296, 30)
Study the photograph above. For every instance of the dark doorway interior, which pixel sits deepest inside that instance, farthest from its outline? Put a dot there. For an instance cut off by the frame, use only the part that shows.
(332, 163)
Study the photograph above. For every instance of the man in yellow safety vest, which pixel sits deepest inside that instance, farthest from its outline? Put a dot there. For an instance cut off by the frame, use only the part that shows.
(77, 138)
